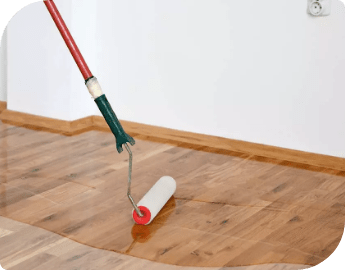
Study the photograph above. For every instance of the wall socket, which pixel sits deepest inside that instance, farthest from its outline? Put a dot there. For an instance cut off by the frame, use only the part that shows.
(319, 7)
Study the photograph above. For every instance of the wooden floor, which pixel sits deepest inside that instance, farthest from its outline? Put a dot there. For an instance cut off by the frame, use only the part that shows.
(25, 247)
(228, 211)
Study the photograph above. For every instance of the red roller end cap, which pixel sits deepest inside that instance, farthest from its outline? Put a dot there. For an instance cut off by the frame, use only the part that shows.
(142, 220)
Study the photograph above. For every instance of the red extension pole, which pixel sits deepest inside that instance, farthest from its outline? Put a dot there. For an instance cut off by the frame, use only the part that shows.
(72, 46)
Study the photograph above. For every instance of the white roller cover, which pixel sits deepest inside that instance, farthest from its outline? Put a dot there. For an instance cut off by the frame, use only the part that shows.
(94, 88)
(158, 196)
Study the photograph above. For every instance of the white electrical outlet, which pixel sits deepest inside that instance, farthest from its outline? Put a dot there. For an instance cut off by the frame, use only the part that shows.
(319, 7)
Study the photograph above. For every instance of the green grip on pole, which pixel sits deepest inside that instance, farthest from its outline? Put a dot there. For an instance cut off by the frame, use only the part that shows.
(120, 135)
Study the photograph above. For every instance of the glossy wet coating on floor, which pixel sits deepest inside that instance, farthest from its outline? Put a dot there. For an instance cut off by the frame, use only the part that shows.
(227, 211)
(25, 247)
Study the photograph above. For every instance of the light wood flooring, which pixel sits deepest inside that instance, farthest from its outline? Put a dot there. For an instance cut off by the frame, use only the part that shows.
(228, 211)
(25, 247)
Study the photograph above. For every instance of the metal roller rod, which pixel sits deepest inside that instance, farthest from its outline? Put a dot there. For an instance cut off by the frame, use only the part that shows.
(130, 181)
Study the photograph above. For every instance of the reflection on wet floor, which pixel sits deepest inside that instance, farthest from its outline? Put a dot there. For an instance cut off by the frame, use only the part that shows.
(142, 234)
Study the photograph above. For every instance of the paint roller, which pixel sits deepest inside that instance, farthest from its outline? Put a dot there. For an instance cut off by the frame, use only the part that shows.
(155, 199)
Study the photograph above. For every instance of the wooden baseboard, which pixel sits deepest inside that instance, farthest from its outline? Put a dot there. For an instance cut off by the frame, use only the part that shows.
(3, 106)
(68, 128)
(259, 152)
(254, 151)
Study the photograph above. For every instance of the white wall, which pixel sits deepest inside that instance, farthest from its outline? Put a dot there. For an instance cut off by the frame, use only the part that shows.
(258, 71)
(3, 66)
(42, 76)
